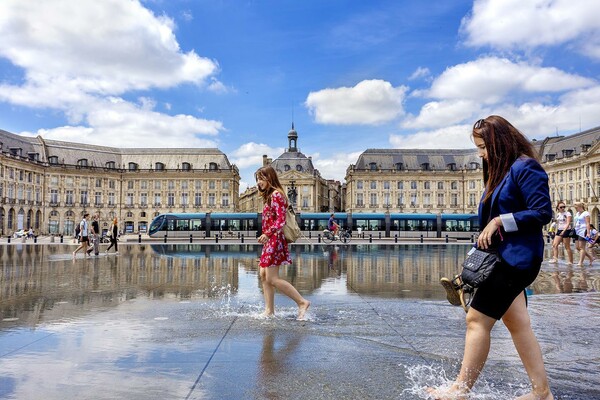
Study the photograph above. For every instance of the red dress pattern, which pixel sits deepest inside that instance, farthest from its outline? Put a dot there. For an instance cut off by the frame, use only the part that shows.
(275, 251)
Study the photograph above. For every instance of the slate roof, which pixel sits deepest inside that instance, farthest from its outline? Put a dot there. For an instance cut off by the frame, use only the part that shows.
(413, 159)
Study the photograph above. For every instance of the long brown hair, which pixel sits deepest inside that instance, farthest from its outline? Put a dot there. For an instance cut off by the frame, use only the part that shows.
(504, 144)
(268, 174)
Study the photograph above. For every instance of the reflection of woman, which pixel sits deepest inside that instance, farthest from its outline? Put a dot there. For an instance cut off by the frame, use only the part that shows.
(113, 234)
(275, 250)
(516, 201)
(563, 233)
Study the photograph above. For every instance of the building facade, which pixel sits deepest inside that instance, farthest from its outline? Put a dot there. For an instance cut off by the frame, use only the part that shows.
(307, 190)
(48, 185)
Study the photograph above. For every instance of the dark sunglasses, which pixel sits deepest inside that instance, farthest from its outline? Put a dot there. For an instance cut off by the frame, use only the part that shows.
(479, 124)
(561, 206)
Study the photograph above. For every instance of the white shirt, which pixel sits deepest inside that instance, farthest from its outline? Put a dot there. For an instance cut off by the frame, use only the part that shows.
(561, 220)
(580, 225)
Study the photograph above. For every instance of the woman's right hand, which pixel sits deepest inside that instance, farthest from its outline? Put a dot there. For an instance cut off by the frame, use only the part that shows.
(262, 239)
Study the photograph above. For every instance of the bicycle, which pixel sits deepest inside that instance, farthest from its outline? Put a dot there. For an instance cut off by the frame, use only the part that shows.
(344, 236)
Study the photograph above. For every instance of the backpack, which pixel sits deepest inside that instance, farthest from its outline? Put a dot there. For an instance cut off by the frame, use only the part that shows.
(291, 230)
(77, 231)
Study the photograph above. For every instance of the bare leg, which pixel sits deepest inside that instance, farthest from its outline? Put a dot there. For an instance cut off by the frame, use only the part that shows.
(272, 274)
(517, 321)
(567, 244)
(268, 293)
(477, 347)
(555, 244)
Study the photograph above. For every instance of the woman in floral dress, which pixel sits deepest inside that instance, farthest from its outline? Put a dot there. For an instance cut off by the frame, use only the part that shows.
(275, 250)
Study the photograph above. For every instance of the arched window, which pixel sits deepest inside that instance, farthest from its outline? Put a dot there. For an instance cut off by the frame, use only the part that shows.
(83, 162)
(159, 166)
(143, 214)
(287, 167)
(299, 167)
(53, 160)
(399, 166)
(110, 165)
(373, 166)
(129, 214)
(186, 166)
(133, 166)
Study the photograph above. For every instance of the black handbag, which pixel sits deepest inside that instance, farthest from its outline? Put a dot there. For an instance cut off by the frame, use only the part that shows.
(477, 267)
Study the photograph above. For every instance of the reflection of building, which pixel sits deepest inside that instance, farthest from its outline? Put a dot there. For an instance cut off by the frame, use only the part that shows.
(47, 184)
(298, 176)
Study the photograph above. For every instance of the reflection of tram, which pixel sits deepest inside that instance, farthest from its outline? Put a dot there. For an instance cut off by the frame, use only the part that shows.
(384, 224)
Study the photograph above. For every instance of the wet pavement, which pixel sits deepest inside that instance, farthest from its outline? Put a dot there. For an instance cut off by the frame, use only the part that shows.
(183, 322)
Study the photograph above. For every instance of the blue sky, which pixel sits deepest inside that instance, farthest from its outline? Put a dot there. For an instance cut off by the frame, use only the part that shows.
(351, 75)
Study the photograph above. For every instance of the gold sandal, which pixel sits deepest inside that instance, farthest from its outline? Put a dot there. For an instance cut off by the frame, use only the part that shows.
(455, 293)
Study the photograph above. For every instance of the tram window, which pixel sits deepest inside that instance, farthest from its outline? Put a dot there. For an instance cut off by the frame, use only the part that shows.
(196, 224)
(183, 225)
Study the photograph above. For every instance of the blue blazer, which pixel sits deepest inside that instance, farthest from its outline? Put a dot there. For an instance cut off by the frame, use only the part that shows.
(522, 201)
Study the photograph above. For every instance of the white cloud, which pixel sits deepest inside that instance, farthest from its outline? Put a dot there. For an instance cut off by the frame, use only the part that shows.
(527, 24)
(249, 157)
(442, 113)
(118, 123)
(370, 102)
(451, 137)
(420, 72)
(490, 80)
(335, 165)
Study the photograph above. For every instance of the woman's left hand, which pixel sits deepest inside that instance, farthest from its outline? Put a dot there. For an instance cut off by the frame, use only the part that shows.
(262, 239)
(484, 240)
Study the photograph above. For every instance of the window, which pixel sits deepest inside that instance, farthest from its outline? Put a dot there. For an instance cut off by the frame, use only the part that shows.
(213, 166)
(440, 185)
(157, 185)
(111, 184)
(425, 167)
(211, 199)
(454, 200)
(184, 199)
(454, 185)
(472, 184)
(159, 166)
(225, 185)
(129, 199)
(211, 184)
(359, 200)
(111, 198)
(171, 199)
(133, 166)
(198, 199)
(143, 199)
(399, 166)
(110, 165)
(82, 163)
(143, 185)
(198, 184)
(386, 185)
(299, 168)
(84, 197)
(373, 184)
(129, 185)
(373, 166)
(157, 199)
(287, 167)
(69, 198)
(373, 200)
(98, 182)
(400, 185)
(441, 201)
(186, 166)
(359, 184)
(427, 199)
(98, 198)
(413, 185)
(426, 185)
(54, 196)
(225, 200)
(452, 166)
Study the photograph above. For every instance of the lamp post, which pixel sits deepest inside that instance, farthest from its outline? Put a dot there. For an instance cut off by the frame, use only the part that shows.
(292, 194)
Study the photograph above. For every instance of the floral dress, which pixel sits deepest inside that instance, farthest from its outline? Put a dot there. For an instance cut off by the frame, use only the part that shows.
(275, 251)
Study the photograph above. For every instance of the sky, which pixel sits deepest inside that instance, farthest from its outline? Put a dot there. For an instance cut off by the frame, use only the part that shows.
(350, 75)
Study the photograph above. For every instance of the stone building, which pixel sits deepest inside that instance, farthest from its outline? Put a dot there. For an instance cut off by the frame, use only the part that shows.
(307, 189)
(48, 184)
(414, 181)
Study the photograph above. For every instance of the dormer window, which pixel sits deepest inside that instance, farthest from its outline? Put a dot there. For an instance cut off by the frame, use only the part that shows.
(133, 166)
(83, 163)
(159, 166)
(53, 160)
(425, 166)
(399, 166)
(567, 152)
(111, 165)
(474, 165)
(585, 147)
(287, 167)
(373, 166)
(550, 157)
(16, 151)
(186, 166)
(33, 156)
(213, 166)
(451, 166)
(299, 168)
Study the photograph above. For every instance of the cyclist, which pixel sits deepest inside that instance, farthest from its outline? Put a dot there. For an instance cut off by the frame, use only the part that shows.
(333, 226)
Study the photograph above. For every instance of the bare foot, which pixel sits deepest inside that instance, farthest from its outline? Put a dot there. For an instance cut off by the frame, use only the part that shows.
(267, 314)
(302, 309)
(451, 393)
(533, 396)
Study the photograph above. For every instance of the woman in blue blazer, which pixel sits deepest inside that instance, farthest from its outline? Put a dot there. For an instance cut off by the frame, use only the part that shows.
(514, 207)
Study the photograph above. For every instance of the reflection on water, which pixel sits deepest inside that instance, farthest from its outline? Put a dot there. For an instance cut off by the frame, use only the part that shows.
(35, 278)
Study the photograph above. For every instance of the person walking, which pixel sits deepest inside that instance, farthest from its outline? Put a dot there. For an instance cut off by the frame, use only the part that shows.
(514, 208)
(113, 234)
(83, 235)
(275, 250)
(95, 236)
(583, 230)
(563, 233)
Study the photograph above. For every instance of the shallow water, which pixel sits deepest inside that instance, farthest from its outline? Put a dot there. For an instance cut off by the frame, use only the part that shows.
(183, 321)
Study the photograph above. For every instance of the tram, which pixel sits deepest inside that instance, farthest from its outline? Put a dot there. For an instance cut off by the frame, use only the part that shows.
(459, 226)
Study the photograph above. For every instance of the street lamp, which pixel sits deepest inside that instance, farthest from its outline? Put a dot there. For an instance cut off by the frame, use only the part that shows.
(292, 194)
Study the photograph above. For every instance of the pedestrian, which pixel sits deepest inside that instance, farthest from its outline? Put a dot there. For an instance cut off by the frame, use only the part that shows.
(113, 233)
(563, 233)
(83, 236)
(95, 236)
(513, 210)
(275, 250)
(583, 230)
